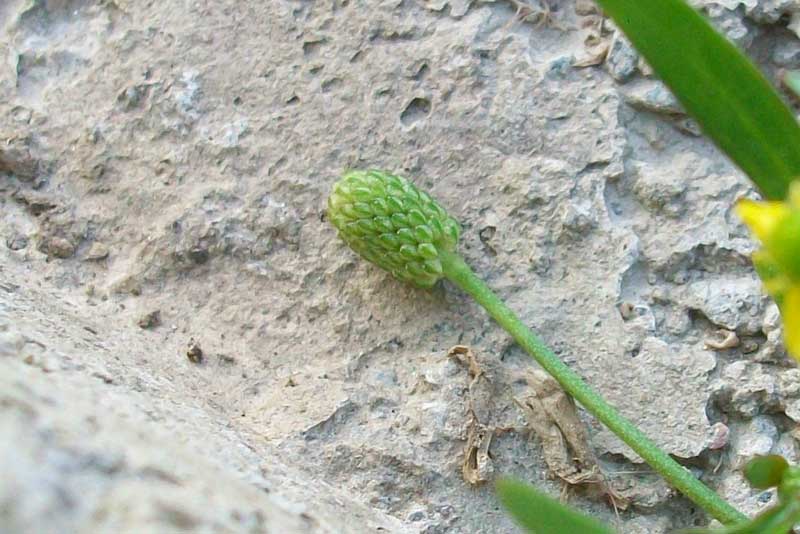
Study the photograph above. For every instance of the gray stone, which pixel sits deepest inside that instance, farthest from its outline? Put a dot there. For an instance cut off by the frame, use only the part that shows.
(685, 435)
(746, 389)
(732, 304)
(771, 11)
(730, 22)
(787, 53)
(772, 327)
(756, 438)
(652, 95)
(788, 448)
(622, 60)
(100, 444)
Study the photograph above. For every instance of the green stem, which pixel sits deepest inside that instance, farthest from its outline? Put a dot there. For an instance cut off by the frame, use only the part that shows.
(459, 273)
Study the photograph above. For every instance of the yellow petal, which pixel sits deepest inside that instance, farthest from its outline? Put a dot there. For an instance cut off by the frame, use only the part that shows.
(791, 321)
(762, 217)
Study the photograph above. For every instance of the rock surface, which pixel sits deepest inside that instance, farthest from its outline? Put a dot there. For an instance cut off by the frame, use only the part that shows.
(176, 156)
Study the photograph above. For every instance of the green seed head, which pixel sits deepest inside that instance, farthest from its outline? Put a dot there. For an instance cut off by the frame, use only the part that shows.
(392, 224)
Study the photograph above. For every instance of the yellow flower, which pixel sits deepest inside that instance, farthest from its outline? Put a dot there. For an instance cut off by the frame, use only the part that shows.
(791, 320)
(777, 226)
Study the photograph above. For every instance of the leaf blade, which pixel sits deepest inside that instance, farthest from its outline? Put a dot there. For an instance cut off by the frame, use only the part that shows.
(540, 514)
(764, 472)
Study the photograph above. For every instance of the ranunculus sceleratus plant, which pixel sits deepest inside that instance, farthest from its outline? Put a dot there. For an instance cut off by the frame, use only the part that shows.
(394, 225)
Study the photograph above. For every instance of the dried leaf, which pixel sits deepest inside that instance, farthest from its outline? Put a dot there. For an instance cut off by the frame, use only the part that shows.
(552, 416)
(476, 467)
(464, 355)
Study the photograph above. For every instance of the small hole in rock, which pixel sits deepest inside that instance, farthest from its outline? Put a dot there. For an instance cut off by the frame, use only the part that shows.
(311, 48)
(416, 110)
(329, 85)
(421, 72)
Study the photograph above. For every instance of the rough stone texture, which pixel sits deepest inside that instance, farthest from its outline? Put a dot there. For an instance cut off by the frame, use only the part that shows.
(98, 442)
(176, 156)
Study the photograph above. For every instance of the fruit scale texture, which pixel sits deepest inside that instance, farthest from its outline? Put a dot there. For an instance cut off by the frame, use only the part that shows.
(391, 223)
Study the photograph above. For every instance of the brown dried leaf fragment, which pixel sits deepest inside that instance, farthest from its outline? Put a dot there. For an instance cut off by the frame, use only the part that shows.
(464, 355)
(476, 467)
(551, 414)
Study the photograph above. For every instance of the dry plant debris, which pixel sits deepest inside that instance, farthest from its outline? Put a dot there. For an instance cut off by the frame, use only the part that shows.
(729, 341)
(477, 466)
(551, 415)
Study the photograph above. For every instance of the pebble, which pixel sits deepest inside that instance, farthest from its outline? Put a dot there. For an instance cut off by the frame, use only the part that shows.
(787, 53)
(756, 438)
(622, 59)
(653, 96)
(58, 247)
(720, 434)
(150, 320)
(194, 352)
(97, 251)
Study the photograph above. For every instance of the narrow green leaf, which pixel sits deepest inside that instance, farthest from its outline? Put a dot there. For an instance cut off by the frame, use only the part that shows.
(730, 99)
(539, 514)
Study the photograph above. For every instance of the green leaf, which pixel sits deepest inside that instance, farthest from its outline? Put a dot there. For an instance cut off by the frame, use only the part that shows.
(765, 472)
(730, 99)
(539, 514)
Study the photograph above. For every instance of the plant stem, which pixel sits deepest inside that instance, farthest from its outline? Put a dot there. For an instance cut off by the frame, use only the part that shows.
(460, 273)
